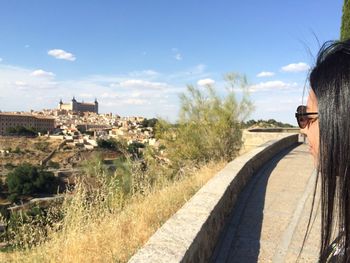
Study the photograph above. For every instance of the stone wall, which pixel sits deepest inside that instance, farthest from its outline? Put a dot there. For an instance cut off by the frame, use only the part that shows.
(255, 137)
(190, 235)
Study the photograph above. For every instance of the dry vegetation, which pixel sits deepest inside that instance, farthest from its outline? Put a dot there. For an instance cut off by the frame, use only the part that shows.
(110, 233)
(32, 150)
(112, 214)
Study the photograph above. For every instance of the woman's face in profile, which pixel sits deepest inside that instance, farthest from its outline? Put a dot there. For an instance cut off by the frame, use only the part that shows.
(312, 130)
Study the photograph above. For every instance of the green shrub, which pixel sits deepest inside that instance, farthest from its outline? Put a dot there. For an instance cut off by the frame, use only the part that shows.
(53, 164)
(28, 228)
(22, 131)
(267, 123)
(133, 149)
(17, 150)
(27, 179)
(111, 144)
(149, 122)
(209, 126)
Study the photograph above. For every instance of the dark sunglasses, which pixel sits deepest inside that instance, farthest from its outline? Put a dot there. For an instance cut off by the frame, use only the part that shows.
(303, 118)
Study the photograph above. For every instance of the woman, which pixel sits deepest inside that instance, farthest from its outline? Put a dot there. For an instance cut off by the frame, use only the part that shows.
(326, 122)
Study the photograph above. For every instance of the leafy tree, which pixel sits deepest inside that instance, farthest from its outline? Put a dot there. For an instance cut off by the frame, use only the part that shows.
(21, 130)
(345, 25)
(149, 122)
(250, 123)
(133, 149)
(209, 126)
(266, 124)
(111, 144)
(27, 179)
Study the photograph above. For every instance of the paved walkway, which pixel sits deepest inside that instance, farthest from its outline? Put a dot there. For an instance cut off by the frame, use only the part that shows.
(268, 223)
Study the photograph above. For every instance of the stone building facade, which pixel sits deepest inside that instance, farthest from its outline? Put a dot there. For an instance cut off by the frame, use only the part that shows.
(11, 120)
(76, 106)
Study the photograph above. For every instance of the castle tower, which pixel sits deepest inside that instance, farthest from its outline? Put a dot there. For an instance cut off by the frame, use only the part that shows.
(96, 106)
(74, 104)
(60, 104)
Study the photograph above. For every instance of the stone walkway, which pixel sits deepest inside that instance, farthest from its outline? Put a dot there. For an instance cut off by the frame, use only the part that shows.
(269, 221)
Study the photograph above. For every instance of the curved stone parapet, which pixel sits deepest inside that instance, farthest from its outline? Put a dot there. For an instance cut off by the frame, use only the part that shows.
(254, 137)
(190, 235)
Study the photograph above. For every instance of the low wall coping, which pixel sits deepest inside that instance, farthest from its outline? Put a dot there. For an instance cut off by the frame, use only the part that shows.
(279, 130)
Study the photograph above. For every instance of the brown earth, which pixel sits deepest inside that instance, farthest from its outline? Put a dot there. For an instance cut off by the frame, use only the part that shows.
(23, 149)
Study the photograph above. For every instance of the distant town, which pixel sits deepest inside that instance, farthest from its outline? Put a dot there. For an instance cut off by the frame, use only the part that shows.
(61, 141)
(70, 120)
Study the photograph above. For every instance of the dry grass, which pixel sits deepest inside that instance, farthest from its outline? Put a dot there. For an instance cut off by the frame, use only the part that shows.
(114, 235)
(28, 148)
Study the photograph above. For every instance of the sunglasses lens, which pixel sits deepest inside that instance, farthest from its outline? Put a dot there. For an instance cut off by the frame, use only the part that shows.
(301, 109)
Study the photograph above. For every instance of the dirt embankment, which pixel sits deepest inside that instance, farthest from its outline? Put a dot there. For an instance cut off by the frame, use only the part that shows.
(16, 150)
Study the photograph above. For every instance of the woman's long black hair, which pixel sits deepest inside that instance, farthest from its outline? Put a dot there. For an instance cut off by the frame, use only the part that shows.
(330, 80)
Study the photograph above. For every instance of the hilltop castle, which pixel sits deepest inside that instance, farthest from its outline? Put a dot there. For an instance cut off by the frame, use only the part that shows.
(79, 106)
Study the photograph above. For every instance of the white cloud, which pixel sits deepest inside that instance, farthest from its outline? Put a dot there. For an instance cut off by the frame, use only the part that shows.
(134, 101)
(178, 56)
(146, 94)
(272, 85)
(137, 84)
(296, 67)
(150, 72)
(199, 68)
(124, 101)
(61, 54)
(204, 82)
(136, 94)
(110, 95)
(265, 74)
(42, 73)
(177, 53)
(20, 83)
(144, 73)
(86, 95)
(20, 90)
(190, 74)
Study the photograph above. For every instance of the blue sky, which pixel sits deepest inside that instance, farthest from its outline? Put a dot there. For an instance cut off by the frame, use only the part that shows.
(137, 56)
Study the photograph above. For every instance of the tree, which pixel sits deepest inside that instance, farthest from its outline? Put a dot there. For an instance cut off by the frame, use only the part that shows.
(21, 131)
(111, 144)
(266, 124)
(209, 125)
(133, 149)
(28, 179)
(149, 122)
(345, 25)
